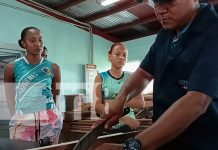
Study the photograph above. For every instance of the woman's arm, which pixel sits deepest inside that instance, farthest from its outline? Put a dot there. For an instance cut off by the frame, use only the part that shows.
(9, 83)
(56, 82)
(136, 102)
(132, 87)
(97, 95)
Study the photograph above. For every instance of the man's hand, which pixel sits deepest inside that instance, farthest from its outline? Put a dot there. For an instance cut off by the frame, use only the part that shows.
(110, 146)
(113, 111)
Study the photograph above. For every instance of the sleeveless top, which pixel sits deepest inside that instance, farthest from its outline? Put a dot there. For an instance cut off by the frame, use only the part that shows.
(33, 86)
(111, 86)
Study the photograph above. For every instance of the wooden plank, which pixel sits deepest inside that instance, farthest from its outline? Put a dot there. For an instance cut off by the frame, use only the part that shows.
(112, 138)
(145, 121)
(78, 131)
(84, 128)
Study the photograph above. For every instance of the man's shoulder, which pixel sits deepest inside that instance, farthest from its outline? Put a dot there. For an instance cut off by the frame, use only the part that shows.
(163, 36)
(209, 16)
(164, 33)
(212, 28)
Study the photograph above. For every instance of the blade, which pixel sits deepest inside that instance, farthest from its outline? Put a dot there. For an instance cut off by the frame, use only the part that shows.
(88, 138)
(91, 136)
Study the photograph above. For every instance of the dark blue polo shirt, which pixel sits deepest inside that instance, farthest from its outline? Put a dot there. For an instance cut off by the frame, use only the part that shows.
(190, 64)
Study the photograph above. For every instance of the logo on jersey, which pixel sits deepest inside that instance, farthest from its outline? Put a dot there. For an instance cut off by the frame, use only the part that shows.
(46, 70)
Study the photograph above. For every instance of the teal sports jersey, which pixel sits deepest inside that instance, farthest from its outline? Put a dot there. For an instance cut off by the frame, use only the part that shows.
(33, 86)
(111, 86)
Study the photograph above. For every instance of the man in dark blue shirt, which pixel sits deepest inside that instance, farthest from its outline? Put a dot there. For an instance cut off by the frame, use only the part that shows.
(183, 61)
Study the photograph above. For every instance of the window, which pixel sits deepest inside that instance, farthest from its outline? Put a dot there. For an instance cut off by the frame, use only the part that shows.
(131, 66)
(8, 53)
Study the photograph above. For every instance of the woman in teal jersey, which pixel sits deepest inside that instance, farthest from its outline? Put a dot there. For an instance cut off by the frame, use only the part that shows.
(32, 99)
(109, 83)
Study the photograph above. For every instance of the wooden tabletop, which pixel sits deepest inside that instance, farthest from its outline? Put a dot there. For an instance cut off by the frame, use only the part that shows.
(8, 144)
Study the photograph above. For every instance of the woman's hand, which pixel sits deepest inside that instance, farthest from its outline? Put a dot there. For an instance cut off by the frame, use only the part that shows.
(131, 122)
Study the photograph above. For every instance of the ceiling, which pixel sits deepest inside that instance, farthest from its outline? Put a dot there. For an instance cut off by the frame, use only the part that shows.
(122, 21)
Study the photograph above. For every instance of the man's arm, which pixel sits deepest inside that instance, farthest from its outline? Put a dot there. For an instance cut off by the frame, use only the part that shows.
(9, 84)
(175, 120)
(133, 86)
(56, 82)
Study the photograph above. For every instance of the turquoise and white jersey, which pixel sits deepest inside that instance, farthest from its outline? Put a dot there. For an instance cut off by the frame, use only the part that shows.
(111, 86)
(33, 86)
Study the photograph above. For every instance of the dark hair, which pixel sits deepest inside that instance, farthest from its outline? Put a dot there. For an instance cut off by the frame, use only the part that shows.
(115, 44)
(23, 34)
(45, 49)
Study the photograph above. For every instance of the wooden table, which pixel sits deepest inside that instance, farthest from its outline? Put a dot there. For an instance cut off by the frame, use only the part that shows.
(112, 138)
(8, 144)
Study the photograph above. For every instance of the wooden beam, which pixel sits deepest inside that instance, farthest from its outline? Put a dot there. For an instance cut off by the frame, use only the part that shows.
(58, 16)
(68, 4)
(125, 26)
(133, 37)
(51, 13)
(143, 21)
(114, 10)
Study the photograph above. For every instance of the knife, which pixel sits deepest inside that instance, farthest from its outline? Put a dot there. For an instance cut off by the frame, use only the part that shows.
(91, 136)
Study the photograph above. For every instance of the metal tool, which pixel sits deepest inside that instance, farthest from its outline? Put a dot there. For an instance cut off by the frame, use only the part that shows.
(91, 136)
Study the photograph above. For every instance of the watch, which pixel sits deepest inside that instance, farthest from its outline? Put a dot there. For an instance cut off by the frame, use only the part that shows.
(132, 144)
